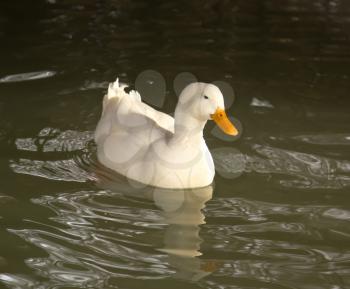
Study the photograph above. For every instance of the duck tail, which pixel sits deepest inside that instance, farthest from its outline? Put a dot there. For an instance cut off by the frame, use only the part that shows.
(116, 90)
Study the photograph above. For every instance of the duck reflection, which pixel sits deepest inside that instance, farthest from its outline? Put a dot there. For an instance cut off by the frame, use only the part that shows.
(181, 211)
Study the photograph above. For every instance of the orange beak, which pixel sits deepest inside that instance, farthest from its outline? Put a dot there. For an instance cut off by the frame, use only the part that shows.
(223, 122)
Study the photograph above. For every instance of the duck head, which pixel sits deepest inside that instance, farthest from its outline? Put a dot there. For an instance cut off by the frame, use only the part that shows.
(204, 101)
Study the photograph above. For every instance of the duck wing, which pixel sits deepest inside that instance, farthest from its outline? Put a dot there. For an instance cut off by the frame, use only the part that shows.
(125, 112)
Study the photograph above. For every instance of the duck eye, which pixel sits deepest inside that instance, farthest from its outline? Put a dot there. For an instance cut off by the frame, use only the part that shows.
(206, 97)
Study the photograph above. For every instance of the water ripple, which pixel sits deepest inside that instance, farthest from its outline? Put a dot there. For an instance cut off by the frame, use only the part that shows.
(27, 76)
(51, 140)
(307, 171)
(325, 139)
(74, 159)
(98, 235)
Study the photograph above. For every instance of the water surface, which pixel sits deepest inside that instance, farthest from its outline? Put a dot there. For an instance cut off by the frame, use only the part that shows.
(278, 214)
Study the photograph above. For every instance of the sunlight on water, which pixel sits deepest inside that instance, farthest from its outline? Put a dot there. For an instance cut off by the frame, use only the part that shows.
(120, 231)
(307, 171)
(27, 76)
(292, 169)
(83, 246)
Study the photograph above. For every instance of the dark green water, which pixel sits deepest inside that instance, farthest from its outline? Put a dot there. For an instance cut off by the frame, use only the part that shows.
(278, 215)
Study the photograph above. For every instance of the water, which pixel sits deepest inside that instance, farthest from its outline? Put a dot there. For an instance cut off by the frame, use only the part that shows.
(278, 214)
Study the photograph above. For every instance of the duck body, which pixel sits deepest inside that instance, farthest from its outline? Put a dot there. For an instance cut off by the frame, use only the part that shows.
(151, 147)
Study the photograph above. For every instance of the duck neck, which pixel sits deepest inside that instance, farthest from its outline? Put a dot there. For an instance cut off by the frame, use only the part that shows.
(188, 129)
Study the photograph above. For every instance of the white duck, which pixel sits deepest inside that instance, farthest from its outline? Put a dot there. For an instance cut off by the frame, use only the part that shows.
(152, 147)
